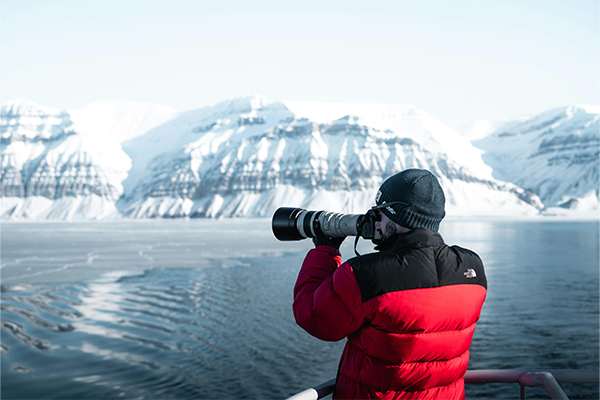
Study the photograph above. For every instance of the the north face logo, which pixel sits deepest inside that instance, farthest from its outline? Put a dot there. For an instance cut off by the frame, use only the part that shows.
(470, 273)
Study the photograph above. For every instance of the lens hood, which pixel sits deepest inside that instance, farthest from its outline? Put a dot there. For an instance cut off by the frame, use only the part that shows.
(285, 222)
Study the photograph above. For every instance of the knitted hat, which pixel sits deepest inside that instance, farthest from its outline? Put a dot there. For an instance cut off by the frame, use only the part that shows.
(421, 194)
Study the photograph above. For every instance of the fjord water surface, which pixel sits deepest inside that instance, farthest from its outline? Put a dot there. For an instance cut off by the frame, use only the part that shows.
(202, 308)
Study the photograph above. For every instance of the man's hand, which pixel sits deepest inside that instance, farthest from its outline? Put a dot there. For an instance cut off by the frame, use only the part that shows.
(321, 239)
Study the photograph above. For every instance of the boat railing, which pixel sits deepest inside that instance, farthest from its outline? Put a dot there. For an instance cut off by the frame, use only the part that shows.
(548, 378)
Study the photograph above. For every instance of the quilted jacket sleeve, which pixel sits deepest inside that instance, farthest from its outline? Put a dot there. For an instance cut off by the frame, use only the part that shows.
(327, 299)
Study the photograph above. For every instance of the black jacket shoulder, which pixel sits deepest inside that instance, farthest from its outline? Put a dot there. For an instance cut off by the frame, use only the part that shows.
(415, 260)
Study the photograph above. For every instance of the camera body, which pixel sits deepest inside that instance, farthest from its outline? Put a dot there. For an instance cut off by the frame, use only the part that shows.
(297, 224)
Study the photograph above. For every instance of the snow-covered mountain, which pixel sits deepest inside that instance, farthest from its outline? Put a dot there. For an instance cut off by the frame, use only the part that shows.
(248, 156)
(555, 155)
(67, 165)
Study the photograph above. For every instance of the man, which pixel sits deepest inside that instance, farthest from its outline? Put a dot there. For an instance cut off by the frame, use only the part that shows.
(408, 310)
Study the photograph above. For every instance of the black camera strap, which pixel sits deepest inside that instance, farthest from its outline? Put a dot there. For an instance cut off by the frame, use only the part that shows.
(355, 243)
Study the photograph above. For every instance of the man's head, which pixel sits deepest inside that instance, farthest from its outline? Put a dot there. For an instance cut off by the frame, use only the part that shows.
(419, 199)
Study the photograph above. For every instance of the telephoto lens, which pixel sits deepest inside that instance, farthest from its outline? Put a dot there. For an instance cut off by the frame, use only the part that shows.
(297, 223)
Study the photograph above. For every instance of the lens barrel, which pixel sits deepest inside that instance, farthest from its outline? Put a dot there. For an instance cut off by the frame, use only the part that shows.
(297, 223)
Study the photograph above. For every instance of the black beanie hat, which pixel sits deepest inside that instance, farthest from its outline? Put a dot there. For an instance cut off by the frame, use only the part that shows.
(421, 194)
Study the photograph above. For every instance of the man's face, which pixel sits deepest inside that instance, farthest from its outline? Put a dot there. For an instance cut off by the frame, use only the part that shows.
(385, 226)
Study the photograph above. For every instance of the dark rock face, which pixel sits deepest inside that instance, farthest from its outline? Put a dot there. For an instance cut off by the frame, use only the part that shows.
(12, 182)
(74, 178)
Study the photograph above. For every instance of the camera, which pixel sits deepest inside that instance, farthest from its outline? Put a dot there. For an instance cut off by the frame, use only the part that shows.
(297, 224)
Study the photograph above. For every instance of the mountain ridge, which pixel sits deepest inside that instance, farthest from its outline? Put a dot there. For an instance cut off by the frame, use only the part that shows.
(243, 157)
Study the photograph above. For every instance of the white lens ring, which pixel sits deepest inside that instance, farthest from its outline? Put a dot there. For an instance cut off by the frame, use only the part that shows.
(300, 224)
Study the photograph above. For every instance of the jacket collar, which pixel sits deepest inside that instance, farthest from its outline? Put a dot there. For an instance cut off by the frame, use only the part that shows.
(419, 237)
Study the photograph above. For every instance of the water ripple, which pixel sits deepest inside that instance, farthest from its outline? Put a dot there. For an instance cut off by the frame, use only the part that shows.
(35, 319)
(160, 321)
(18, 331)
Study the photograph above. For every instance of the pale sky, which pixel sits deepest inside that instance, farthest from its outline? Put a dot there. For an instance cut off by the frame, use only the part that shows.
(457, 60)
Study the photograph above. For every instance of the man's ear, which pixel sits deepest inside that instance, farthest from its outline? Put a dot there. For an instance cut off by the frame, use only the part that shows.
(401, 229)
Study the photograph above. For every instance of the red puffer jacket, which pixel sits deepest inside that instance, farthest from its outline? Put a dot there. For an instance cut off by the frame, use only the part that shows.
(408, 311)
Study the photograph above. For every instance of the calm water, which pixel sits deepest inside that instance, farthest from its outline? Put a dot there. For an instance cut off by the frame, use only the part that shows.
(202, 309)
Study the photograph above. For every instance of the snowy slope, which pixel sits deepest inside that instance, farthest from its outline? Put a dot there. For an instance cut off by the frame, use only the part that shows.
(118, 120)
(479, 129)
(51, 171)
(248, 156)
(554, 154)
